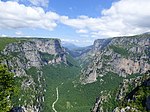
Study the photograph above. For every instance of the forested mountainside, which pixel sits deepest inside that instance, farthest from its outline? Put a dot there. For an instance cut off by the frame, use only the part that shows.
(113, 71)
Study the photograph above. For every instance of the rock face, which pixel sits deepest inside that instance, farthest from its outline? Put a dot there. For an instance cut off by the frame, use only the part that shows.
(48, 46)
(133, 94)
(121, 55)
(96, 105)
(26, 58)
(30, 51)
(99, 44)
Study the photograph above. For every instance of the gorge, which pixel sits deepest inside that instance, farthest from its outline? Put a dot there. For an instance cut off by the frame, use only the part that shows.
(108, 71)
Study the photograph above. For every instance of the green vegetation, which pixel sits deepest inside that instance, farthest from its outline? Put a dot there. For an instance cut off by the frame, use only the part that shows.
(5, 41)
(7, 88)
(106, 57)
(71, 61)
(134, 75)
(136, 94)
(29, 89)
(23, 93)
(74, 97)
(55, 76)
(140, 95)
(109, 80)
(120, 50)
(46, 57)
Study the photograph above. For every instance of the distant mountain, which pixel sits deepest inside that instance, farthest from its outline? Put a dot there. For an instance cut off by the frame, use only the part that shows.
(76, 51)
(69, 46)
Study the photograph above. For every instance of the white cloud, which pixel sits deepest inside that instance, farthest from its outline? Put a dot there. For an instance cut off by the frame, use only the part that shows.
(84, 35)
(15, 15)
(82, 31)
(70, 40)
(3, 35)
(125, 17)
(81, 42)
(76, 23)
(18, 33)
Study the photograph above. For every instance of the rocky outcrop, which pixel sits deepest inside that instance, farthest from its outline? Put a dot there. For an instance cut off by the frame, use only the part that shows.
(133, 94)
(27, 56)
(126, 109)
(96, 107)
(99, 44)
(131, 67)
(122, 55)
(50, 46)
(30, 50)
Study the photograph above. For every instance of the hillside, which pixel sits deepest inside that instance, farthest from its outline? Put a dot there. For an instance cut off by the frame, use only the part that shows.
(121, 55)
(126, 57)
(25, 58)
(50, 78)
(135, 96)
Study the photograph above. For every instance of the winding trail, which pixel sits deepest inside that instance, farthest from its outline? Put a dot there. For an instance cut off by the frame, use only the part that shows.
(53, 105)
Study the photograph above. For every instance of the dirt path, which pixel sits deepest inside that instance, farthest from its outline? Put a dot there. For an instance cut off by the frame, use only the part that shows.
(53, 105)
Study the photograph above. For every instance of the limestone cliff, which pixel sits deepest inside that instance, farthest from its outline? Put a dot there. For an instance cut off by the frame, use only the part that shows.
(25, 58)
(121, 55)
(32, 50)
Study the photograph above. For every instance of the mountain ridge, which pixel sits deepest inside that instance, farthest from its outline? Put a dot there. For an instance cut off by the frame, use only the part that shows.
(41, 65)
(119, 55)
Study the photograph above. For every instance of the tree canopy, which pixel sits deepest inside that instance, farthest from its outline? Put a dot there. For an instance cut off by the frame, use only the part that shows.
(7, 88)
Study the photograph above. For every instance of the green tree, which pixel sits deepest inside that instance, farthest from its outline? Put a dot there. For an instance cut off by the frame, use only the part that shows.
(7, 88)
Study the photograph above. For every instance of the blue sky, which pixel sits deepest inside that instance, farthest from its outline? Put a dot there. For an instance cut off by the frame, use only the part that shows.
(74, 8)
(75, 21)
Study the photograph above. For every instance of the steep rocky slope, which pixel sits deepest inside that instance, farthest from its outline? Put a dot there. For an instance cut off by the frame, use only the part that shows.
(133, 95)
(129, 59)
(35, 51)
(122, 55)
(25, 58)
(109, 68)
